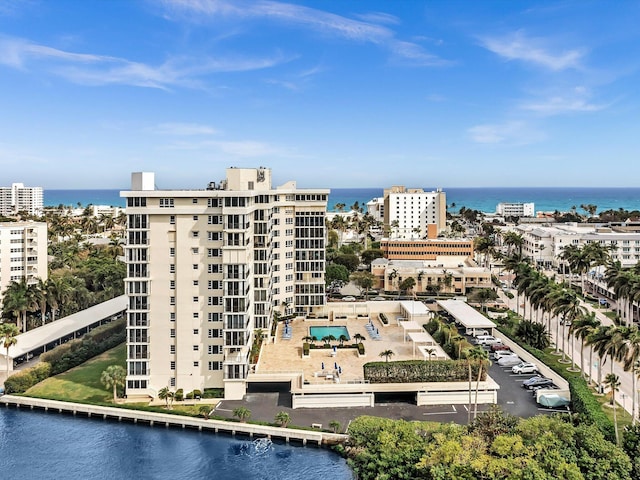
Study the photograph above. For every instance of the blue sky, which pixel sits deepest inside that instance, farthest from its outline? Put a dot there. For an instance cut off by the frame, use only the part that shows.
(329, 93)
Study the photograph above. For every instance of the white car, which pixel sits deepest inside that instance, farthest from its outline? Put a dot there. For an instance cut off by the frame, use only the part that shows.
(525, 367)
(504, 353)
(509, 361)
(487, 340)
(349, 299)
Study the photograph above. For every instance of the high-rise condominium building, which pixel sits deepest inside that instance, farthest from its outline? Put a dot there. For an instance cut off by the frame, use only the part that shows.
(412, 213)
(208, 268)
(23, 253)
(18, 198)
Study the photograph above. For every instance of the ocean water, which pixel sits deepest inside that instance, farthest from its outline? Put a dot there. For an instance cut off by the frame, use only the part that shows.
(53, 446)
(482, 199)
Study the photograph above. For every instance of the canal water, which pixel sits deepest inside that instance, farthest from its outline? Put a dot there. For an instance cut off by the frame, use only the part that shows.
(40, 445)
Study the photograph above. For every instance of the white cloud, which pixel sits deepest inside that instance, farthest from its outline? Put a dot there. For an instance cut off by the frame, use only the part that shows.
(513, 133)
(88, 69)
(576, 100)
(518, 46)
(183, 129)
(367, 30)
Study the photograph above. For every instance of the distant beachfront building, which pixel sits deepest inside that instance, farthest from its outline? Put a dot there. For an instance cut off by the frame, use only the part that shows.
(18, 198)
(428, 249)
(413, 213)
(208, 268)
(375, 208)
(516, 209)
(23, 253)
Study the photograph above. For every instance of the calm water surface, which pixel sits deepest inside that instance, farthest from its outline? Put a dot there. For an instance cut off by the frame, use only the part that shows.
(39, 445)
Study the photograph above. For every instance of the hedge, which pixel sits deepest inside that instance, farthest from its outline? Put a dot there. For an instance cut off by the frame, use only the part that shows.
(412, 371)
(383, 318)
(588, 408)
(23, 380)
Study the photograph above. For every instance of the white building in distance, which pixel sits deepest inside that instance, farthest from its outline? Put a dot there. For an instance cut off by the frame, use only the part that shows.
(516, 209)
(18, 198)
(208, 268)
(413, 213)
(23, 253)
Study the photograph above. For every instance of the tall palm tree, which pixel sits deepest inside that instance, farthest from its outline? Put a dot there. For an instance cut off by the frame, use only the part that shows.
(582, 327)
(16, 302)
(8, 333)
(613, 382)
(604, 341)
(567, 304)
(42, 298)
(59, 291)
(166, 395)
(480, 356)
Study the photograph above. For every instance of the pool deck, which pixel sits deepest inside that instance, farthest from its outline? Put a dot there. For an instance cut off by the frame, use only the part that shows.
(286, 355)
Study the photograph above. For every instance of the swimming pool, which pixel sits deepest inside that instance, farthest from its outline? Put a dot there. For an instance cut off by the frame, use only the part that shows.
(321, 332)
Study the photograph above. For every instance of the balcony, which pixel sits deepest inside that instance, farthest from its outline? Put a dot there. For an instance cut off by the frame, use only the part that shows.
(240, 357)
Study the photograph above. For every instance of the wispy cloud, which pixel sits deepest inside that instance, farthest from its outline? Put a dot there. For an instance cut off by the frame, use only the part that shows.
(575, 101)
(235, 148)
(89, 69)
(517, 46)
(183, 129)
(512, 133)
(369, 29)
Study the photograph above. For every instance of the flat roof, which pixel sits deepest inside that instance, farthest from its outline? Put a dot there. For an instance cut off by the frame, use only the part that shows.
(465, 314)
(415, 308)
(51, 332)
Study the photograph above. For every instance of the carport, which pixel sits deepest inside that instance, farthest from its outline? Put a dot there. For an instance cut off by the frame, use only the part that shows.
(467, 316)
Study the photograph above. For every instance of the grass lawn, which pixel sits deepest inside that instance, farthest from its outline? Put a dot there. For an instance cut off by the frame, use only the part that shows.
(82, 383)
(624, 417)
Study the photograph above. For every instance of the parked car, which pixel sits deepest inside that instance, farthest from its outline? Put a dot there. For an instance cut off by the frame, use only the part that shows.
(349, 298)
(504, 353)
(487, 340)
(537, 381)
(499, 346)
(604, 302)
(525, 367)
(477, 333)
(509, 361)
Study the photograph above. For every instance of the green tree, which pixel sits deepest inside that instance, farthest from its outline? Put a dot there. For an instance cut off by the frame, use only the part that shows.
(334, 425)
(243, 413)
(349, 260)
(283, 418)
(336, 274)
(8, 333)
(166, 395)
(205, 411)
(114, 376)
(364, 282)
(16, 303)
(480, 357)
(407, 284)
(370, 255)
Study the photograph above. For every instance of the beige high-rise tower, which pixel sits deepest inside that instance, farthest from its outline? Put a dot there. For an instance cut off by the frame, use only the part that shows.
(208, 268)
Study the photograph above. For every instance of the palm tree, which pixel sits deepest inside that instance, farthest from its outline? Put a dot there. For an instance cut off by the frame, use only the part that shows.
(243, 413)
(307, 339)
(613, 382)
(469, 360)
(387, 354)
(480, 356)
(603, 340)
(8, 333)
(166, 395)
(334, 425)
(113, 377)
(567, 304)
(358, 338)
(342, 339)
(631, 361)
(41, 297)
(59, 292)
(16, 302)
(582, 327)
(205, 410)
(283, 418)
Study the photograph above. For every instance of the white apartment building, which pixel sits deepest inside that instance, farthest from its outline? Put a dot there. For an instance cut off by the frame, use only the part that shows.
(375, 208)
(18, 198)
(207, 268)
(413, 213)
(516, 209)
(23, 253)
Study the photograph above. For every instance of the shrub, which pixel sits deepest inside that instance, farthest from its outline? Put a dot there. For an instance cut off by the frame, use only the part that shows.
(213, 393)
(588, 408)
(20, 382)
(179, 395)
(305, 348)
(383, 318)
(409, 371)
(197, 393)
(360, 348)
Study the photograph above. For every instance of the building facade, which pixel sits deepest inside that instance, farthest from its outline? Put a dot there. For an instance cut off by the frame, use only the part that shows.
(208, 268)
(429, 249)
(23, 253)
(412, 213)
(516, 209)
(18, 198)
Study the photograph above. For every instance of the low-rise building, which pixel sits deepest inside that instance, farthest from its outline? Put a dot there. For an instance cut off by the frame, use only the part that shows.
(508, 209)
(429, 249)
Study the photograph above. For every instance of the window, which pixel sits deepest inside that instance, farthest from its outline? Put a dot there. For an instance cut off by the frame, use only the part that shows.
(195, 250)
(172, 365)
(213, 316)
(195, 299)
(172, 382)
(195, 234)
(172, 333)
(172, 300)
(196, 364)
(211, 301)
(196, 348)
(172, 268)
(172, 284)
(213, 202)
(172, 349)
(195, 283)
(195, 200)
(195, 331)
(195, 266)
(214, 349)
(172, 219)
(214, 333)
(195, 217)
(215, 365)
(172, 252)
(213, 268)
(172, 316)
(213, 236)
(166, 203)
(196, 315)
(214, 219)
